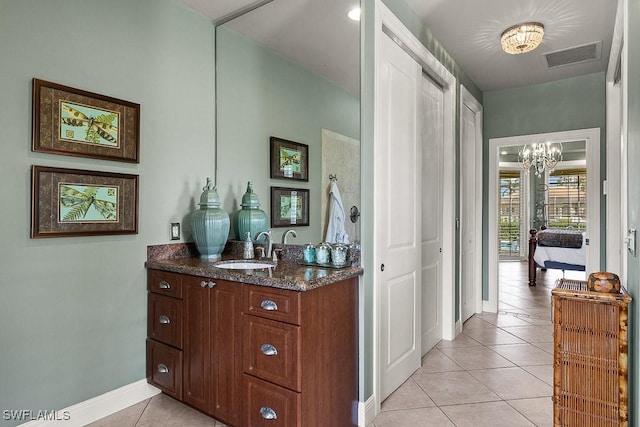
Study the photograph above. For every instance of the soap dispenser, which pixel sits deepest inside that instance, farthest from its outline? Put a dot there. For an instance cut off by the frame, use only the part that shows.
(248, 252)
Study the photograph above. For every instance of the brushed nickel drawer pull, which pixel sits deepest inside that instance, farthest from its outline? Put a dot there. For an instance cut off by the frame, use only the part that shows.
(164, 319)
(268, 350)
(268, 413)
(164, 284)
(203, 284)
(162, 368)
(269, 305)
(211, 284)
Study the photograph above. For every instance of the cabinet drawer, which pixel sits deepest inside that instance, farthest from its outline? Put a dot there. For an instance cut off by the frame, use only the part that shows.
(164, 283)
(164, 368)
(272, 351)
(269, 405)
(165, 320)
(272, 303)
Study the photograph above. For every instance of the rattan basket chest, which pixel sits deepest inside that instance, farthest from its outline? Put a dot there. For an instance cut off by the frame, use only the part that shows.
(590, 356)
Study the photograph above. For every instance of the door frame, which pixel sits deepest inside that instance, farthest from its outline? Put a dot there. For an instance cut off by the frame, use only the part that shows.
(592, 140)
(385, 22)
(469, 101)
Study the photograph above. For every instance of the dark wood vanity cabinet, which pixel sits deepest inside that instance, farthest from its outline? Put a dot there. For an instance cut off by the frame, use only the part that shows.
(253, 355)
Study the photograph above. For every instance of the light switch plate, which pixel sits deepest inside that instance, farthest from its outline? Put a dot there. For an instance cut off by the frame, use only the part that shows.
(631, 241)
(175, 231)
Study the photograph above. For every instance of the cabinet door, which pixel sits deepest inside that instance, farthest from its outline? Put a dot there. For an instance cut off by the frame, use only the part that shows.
(196, 342)
(213, 347)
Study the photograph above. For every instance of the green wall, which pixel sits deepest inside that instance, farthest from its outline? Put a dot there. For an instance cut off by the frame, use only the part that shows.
(569, 104)
(632, 45)
(73, 311)
(261, 95)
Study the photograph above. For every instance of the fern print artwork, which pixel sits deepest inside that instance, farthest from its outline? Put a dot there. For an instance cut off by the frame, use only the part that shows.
(79, 123)
(83, 203)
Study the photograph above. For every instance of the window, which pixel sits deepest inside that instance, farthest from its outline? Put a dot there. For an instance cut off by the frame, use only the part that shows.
(509, 233)
(567, 198)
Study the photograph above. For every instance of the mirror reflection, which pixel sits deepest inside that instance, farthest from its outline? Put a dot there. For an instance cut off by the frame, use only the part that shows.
(290, 69)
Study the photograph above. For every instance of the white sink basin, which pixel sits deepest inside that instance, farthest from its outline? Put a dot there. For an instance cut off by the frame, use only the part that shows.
(232, 265)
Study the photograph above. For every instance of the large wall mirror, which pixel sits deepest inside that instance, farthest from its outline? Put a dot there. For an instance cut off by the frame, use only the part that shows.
(290, 69)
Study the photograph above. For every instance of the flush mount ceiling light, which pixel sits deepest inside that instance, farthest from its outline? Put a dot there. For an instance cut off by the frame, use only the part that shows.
(354, 14)
(522, 38)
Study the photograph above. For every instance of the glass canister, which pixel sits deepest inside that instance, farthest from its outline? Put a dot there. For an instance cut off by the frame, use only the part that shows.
(339, 254)
(323, 253)
(309, 253)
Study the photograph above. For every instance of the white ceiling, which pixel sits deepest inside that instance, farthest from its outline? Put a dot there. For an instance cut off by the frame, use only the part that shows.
(317, 35)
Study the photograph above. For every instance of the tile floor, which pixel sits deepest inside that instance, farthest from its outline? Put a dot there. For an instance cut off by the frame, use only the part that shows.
(498, 372)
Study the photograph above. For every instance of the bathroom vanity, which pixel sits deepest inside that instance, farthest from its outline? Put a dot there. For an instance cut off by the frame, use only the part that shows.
(272, 346)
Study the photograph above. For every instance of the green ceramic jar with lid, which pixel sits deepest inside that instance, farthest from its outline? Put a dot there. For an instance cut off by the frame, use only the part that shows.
(210, 224)
(251, 219)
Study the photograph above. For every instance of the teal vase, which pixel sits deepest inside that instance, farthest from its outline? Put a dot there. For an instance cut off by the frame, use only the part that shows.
(251, 219)
(210, 224)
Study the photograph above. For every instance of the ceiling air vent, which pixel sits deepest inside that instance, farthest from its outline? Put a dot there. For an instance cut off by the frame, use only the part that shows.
(574, 55)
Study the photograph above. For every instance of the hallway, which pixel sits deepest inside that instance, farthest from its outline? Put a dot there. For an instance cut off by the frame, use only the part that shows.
(498, 372)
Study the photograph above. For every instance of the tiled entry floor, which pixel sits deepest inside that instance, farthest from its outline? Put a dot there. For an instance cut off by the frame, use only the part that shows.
(498, 372)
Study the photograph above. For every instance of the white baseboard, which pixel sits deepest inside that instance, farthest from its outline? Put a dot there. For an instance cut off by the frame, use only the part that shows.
(91, 410)
(366, 411)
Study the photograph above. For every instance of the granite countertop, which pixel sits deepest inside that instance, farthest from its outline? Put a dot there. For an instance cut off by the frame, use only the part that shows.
(287, 273)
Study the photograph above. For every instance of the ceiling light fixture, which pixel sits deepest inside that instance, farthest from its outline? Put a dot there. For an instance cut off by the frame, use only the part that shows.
(522, 38)
(541, 155)
(354, 14)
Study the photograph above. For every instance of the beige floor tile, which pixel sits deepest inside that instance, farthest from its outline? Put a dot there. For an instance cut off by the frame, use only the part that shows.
(127, 417)
(531, 334)
(546, 346)
(542, 372)
(164, 411)
(454, 388)
(493, 336)
(476, 357)
(476, 322)
(523, 354)
(436, 361)
(512, 383)
(424, 417)
(408, 396)
(539, 410)
(461, 340)
(506, 320)
(492, 414)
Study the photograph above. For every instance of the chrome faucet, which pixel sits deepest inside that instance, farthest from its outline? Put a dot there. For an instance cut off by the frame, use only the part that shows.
(267, 235)
(284, 236)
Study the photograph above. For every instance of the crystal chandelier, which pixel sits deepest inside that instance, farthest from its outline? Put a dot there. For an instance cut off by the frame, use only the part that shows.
(522, 38)
(541, 155)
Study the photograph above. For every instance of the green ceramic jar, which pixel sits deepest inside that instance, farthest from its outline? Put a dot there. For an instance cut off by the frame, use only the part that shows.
(251, 219)
(210, 224)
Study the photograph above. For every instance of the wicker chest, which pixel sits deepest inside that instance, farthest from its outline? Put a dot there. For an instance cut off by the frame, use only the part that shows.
(590, 356)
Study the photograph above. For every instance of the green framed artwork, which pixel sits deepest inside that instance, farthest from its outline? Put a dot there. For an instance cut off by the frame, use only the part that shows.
(289, 159)
(74, 202)
(289, 206)
(75, 122)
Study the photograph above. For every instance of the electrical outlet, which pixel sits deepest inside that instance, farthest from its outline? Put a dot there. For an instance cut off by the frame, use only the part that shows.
(175, 231)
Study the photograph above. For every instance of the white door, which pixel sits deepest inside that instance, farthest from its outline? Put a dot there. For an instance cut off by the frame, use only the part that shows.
(397, 208)
(468, 289)
(432, 118)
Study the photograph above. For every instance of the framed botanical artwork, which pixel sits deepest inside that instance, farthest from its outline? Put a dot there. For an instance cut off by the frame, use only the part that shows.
(75, 122)
(289, 159)
(289, 206)
(74, 202)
